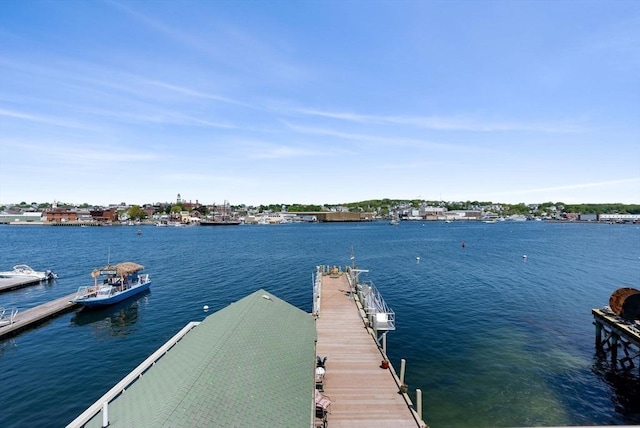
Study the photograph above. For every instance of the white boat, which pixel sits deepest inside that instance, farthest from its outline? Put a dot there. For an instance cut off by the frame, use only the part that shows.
(113, 284)
(25, 272)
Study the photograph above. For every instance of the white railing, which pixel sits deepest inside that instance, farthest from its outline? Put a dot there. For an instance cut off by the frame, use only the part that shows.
(378, 314)
(103, 402)
(7, 316)
(317, 290)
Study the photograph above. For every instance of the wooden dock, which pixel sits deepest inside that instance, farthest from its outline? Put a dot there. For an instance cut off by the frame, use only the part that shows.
(362, 394)
(619, 338)
(8, 284)
(31, 317)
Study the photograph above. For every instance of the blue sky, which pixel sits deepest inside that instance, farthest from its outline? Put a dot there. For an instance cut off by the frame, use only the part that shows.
(319, 101)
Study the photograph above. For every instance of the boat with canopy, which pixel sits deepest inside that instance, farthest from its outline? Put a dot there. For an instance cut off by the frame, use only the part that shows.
(113, 284)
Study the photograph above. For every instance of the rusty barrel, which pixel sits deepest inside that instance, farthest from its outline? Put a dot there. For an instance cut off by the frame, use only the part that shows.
(625, 302)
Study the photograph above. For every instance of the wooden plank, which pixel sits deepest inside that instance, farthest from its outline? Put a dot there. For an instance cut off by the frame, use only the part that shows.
(34, 316)
(362, 393)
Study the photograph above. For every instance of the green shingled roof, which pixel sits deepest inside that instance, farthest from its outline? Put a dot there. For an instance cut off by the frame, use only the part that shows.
(249, 364)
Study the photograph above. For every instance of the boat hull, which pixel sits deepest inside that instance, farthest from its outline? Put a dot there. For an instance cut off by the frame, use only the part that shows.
(219, 223)
(92, 302)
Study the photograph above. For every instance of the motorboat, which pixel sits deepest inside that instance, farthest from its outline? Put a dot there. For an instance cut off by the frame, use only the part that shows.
(25, 272)
(113, 284)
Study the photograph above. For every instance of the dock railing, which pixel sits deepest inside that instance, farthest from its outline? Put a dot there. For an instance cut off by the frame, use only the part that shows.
(7, 316)
(317, 289)
(379, 315)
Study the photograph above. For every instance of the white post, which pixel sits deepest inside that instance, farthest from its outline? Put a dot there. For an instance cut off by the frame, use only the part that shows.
(403, 363)
(384, 344)
(419, 403)
(105, 414)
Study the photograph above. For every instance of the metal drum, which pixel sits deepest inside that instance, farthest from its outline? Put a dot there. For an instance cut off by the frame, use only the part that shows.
(631, 307)
(625, 302)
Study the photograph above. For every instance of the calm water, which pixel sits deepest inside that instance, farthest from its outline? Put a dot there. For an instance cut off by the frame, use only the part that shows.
(492, 339)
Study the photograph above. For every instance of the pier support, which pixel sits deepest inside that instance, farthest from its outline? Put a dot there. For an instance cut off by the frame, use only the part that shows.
(616, 337)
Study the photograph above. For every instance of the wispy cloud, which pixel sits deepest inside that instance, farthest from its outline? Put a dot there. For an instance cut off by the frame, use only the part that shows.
(266, 150)
(383, 140)
(575, 186)
(81, 153)
(44, 120)
(160, 27)
(440, 123)
(198, 94)
(237, 49)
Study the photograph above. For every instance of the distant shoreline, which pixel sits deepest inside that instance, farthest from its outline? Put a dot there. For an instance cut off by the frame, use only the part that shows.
(153, 223)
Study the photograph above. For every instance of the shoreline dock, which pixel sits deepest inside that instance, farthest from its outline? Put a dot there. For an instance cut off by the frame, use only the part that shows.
(34, 316)
(362, 392)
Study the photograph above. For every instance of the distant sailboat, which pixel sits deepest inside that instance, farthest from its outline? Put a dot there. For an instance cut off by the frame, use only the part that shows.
(225, 219)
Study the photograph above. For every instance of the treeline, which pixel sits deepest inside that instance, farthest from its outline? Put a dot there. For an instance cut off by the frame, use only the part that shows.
(602, 209)
(294, 208)
(383, 205)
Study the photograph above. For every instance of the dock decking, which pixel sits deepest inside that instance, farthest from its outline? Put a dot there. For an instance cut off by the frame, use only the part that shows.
(31, 317)
(8, 284)
(362, 394)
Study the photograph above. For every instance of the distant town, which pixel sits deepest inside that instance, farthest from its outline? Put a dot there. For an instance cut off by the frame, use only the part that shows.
(184, 212)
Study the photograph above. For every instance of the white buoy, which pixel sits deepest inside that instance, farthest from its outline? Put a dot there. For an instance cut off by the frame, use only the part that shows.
(418, 259)
(524, 256)
(206, 308)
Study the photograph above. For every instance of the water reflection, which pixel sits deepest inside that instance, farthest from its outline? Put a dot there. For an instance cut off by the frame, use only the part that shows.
(624, 386)
(7, 345)
(113, 320)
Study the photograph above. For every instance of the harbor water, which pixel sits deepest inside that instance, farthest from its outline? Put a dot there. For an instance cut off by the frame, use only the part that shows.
(491, 337)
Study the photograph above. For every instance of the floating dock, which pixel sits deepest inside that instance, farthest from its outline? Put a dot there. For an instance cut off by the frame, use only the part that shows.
(8, 284)
(31, 317)
(362, 392)
(619, 338)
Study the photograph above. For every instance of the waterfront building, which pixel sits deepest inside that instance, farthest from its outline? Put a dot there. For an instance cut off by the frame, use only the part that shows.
(21, 218)
(61, 215)
(249, 364)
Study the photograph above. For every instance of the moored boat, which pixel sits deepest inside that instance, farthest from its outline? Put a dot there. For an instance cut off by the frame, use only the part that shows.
(113, 284)
(224, 219)
(220, 223)
(25, 272)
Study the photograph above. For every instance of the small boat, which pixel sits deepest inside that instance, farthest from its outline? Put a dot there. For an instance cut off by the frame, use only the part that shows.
(113, 284)
(25, 272)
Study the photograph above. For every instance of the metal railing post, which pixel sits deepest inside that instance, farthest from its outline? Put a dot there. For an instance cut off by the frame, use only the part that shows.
(105, 414)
